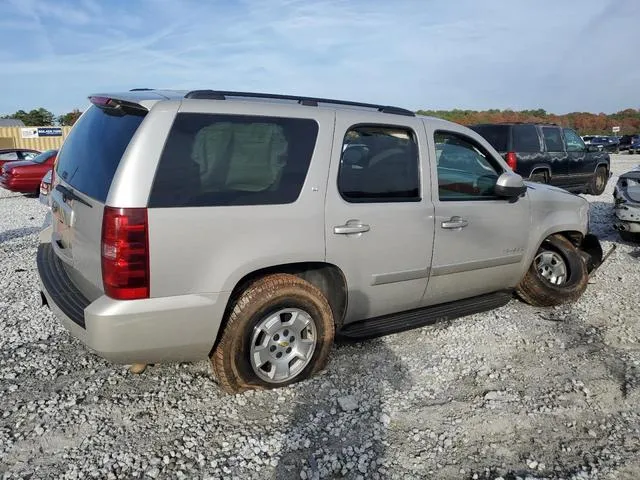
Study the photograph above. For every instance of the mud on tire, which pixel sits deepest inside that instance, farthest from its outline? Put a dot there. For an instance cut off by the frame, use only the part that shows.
(537, 291)
(230, 359)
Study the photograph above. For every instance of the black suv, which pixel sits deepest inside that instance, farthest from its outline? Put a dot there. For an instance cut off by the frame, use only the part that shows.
(627, 140)
(548, 153)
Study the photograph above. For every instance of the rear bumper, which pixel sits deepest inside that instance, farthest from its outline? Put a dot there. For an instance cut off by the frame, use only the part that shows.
(155, 330)
(16, 184)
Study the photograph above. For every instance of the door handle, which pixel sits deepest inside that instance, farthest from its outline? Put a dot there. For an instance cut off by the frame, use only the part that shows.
(351, 228)
(454, 223)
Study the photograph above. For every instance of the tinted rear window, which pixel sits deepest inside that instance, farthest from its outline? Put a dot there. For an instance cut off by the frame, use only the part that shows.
(496, 135)
(216, 160)
(525, 138)
(553, 139)
(92, 151)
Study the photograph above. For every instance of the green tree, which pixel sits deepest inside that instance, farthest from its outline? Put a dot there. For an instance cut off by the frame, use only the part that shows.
(68, 119)
(40, 117)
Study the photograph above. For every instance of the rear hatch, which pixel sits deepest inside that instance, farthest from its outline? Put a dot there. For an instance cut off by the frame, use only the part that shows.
(84, 171)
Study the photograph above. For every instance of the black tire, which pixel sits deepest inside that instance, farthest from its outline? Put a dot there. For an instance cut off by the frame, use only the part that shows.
(599, 181)
(230, 359)
(539, 292)
(631, 237)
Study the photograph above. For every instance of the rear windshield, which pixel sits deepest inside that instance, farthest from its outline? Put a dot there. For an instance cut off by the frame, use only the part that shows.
(496, 135)
(91, 153)
(44, 156)
(216, 160)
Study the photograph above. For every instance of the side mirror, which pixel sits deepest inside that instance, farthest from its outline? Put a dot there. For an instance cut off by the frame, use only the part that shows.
(592, 148)
(510, 185)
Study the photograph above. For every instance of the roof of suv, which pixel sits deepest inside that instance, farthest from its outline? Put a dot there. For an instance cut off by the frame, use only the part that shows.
(147, 97)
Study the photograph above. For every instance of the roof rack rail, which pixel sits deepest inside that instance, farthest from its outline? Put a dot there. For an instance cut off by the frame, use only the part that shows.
(307, 101)
(140, 89)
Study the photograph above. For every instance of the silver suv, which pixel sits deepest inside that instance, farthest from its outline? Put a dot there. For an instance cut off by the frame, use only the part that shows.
(253, 229)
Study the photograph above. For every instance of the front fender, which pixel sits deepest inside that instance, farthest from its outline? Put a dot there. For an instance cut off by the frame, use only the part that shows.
(591, 251)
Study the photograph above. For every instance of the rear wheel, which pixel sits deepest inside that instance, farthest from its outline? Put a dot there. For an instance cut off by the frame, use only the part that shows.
(599, 181)
(280, 331)
(539, 177)
(557, 275)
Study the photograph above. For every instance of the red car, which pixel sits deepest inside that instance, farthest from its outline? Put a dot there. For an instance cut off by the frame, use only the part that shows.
(16, 154)
(25, 176)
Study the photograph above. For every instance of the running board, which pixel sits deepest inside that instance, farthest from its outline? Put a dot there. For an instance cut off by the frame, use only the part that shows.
(400, 322)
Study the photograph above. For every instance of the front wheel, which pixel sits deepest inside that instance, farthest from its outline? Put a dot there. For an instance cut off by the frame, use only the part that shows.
(280, 331)
(599, 181)
(557, 275)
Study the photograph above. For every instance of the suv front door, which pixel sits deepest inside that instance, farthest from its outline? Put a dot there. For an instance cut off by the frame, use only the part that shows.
(379, 215)
(582, 164)
(480, 239)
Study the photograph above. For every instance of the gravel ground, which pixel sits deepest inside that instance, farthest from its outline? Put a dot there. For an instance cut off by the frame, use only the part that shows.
(518, 392)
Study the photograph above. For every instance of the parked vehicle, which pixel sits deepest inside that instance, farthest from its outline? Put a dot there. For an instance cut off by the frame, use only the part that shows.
(547, 153)
(25, 176)
(607, 144)
(16, 154)
(45, 188)
(634, 145)
(626, 196)
(587, 139)
(240, 228)
(626, 141)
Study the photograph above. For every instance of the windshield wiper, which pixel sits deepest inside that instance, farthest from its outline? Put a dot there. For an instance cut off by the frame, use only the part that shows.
(68, 193)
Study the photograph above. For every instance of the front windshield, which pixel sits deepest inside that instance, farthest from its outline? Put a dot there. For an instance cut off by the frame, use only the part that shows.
(43, 157)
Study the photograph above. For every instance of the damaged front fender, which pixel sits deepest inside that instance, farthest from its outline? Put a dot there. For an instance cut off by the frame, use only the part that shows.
(591, 251)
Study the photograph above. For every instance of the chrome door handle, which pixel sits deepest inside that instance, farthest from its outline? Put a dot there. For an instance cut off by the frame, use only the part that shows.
(350, 228)
(454, 223)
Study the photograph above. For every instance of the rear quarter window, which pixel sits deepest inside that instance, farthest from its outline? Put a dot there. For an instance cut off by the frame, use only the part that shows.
(496, 135)
(552, 139)
(221, 160)
(91, 153)
(525, 138)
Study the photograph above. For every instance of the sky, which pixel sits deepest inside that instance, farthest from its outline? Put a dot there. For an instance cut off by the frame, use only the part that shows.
(560, 55)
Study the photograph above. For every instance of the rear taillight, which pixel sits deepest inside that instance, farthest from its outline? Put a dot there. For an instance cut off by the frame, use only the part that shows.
(512, 161)
(125, 253)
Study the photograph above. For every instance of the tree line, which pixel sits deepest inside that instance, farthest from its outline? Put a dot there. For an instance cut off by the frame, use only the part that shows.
(41, 117)
(583, 122)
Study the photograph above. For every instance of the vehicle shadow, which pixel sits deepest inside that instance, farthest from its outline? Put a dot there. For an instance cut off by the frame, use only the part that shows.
(340, 424)
(18, 233)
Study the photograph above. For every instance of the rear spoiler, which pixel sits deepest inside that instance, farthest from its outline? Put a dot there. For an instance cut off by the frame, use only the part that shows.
(117, 106)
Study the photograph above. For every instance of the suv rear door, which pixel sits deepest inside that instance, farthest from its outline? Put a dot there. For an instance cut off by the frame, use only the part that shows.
(379, 215)
(86, 165)
(557, 156)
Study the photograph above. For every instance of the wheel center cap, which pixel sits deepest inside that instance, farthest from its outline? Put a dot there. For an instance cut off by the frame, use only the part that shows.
(284, 344)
